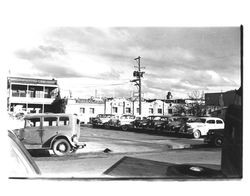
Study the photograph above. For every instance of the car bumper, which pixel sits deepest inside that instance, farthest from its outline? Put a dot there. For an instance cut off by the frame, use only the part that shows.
(79, 145)
(208, 139)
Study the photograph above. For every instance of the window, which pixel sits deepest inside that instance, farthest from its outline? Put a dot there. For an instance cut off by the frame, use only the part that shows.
(128, 110)
(151, 110)
(137, 110)
(82, 110)
(77, 121)
(159, 110)
(63, 121)
(115, 109)
(211, 121)
(50, 121)
(33, 122)
(170, 111)
(219, 122)
(91, 110)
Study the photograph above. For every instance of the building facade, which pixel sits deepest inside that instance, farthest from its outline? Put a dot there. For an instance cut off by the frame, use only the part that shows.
(30, 95)
(89, 108)
(85, 108)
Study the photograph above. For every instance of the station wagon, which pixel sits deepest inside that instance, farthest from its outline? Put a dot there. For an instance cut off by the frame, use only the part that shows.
(59, 132)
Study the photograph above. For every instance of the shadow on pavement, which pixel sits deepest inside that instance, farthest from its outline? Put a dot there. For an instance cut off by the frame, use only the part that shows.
(131, 167)
(39, 153)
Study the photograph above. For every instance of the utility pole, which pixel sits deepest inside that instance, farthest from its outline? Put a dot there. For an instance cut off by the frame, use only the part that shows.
(138, 74)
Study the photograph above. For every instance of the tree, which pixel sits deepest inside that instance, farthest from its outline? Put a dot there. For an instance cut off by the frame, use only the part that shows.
(180, 109)
(197, 106)
(59, 104)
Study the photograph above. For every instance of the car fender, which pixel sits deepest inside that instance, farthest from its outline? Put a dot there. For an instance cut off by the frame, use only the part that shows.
(203, 130)
(50, 142)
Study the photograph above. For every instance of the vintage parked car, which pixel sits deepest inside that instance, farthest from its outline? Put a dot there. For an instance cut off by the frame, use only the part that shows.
(202, 125)
(158, 123)
(122, 122)
(152, 122)
(215, 137)
(140, 122)
(176, 123)
(59, 132)
(20, 163)
(100, 119)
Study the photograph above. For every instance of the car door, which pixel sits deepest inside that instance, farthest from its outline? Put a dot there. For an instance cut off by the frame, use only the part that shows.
(210, 124)
(32, 132)
(220, 124)
(49, 128)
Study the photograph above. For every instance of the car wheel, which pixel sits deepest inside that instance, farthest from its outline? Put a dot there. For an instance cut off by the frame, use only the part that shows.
(159, 129)
(61, 147)
(218, 141)
(106, 126)
(197, 134)
(124, 127)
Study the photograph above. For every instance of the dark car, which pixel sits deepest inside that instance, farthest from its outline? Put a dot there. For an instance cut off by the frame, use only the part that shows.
(140, 122)
(21, 163)
(152, 122)
(183, 126)
(158, 123)
(175, 123)
(215, 137)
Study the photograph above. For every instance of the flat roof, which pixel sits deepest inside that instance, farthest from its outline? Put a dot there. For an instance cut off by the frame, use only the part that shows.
(47, 115)
(23, 80)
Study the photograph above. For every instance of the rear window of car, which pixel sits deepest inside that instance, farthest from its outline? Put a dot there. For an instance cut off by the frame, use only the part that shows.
(63, 121)
(219, 122)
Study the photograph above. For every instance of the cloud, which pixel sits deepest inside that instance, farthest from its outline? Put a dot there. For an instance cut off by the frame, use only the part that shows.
(176, 59)
(41, 52)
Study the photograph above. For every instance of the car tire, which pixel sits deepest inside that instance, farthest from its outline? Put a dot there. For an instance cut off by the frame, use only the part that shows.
(61, 147)
(196, 134)
(218, 141)
(124, 128)
(106, 126)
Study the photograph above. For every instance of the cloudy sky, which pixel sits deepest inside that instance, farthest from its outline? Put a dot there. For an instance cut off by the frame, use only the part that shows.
(86, 60)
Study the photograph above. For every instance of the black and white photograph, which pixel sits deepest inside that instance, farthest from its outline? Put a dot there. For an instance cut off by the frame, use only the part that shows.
(121, 103)
(129, 102)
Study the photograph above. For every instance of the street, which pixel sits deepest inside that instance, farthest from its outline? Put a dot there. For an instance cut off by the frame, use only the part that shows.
(105, 147)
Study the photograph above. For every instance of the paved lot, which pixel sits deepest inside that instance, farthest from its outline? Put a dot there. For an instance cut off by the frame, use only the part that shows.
(106, 147)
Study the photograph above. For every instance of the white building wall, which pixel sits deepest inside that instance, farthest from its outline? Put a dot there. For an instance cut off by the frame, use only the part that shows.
(85, 111)
(119, 106)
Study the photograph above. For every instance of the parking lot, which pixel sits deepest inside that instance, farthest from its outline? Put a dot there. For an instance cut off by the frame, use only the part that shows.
(106, 147)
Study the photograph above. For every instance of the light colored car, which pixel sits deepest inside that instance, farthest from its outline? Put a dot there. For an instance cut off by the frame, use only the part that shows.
(21, 164)
(202, 125)
(59, 132)
(122, 122)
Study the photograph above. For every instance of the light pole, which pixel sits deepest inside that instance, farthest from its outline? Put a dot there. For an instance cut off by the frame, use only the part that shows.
(138, 74)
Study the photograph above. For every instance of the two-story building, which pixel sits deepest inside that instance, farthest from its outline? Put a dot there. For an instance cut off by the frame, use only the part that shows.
(30, 94)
